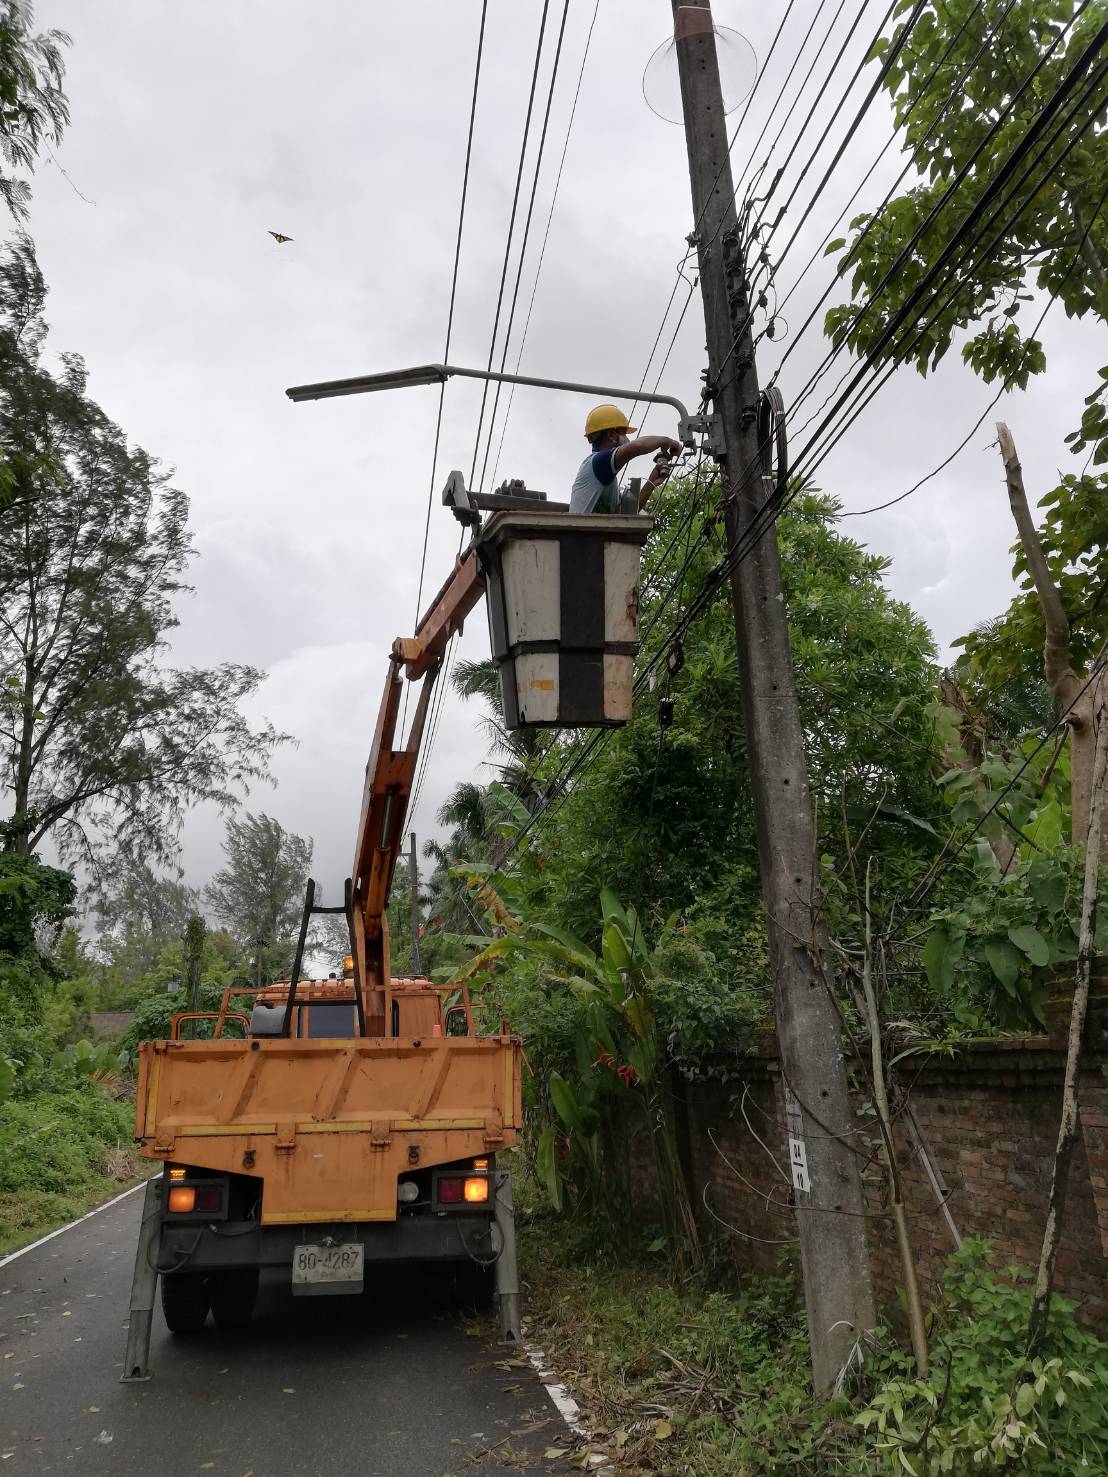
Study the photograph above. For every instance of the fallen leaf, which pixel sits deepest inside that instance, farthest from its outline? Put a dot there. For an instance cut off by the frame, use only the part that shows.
(289, 1390)
(510, 1389)
(621, 1437)
(104, 1439)
(663, 1430)
(205, 1465)
(9, 1356)
(67, 1314)
(93, 1409)
(18, 1387)
(552, 1453)
(401, 1335)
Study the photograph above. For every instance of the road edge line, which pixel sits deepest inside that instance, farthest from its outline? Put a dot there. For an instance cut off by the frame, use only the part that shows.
(564, 1404)
(42, 1240)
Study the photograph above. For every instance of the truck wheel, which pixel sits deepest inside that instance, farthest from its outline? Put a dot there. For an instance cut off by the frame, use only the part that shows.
(184, 1301)
(477, 1284)
(233, 1295)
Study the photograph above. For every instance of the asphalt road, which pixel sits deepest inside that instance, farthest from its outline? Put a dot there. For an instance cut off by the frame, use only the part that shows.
(400, 1382)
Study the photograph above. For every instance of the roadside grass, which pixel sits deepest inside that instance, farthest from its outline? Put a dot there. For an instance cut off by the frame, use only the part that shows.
(28, 1214)
(708, 1377)
(61, 1153)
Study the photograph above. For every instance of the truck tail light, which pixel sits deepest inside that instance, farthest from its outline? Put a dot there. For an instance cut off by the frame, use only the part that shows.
(195, 1199)
(477, 1190)
(451, 1192)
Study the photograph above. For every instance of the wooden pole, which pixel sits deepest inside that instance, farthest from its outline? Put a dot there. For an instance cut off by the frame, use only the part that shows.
(828, 1189)
(881, 1103)
(1070, 1121)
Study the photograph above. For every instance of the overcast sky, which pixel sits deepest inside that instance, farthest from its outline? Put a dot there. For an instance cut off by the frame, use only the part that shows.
(200, 125)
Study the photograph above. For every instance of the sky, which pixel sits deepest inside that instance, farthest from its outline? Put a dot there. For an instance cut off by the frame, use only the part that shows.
(199, 127)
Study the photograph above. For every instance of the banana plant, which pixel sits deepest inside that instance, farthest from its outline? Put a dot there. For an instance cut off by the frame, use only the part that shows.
(616, 985)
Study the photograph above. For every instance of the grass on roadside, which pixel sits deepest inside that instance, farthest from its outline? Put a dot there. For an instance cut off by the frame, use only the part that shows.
(698, 1378)
(61, 1153)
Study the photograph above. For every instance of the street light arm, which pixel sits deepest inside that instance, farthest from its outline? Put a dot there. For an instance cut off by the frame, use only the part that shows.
(437, 374)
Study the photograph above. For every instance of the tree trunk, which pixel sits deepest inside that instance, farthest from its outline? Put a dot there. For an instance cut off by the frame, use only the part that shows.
(1082, 698)
(972, 745)
(1068, 1127)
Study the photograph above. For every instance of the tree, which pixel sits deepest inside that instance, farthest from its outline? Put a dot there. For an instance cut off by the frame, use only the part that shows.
(141, 913)
(33, 108)
(99, 736)
(259, 895)
(1038, 225)
(1003, 63)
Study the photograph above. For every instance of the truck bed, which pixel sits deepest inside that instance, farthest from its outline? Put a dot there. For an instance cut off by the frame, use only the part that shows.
(329, 1125)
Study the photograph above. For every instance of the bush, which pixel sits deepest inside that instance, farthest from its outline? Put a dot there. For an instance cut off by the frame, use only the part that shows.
(154, 1017)
(985, 1405)
(56, 1141)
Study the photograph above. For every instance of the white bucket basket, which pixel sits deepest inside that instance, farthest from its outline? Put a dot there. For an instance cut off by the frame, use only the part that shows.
(563, 602)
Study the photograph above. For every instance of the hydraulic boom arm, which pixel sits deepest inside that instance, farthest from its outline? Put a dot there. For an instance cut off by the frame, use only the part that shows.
(390, 773)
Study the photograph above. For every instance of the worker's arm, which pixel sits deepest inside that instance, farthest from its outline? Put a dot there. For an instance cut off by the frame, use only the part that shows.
(644, 446)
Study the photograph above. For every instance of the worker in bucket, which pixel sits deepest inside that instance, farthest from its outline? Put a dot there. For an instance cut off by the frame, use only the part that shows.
(596, 488)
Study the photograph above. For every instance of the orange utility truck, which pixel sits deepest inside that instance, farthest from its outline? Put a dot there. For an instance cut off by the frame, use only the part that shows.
(327, 1127)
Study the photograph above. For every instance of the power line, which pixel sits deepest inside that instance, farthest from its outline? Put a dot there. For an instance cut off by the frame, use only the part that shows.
(904, 256)
(526, 234)
(1005, 387)
(546, 236)
(450, 311)
(511, 232)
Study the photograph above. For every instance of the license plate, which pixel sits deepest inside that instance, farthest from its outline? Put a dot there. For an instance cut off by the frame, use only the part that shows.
(322, 1269)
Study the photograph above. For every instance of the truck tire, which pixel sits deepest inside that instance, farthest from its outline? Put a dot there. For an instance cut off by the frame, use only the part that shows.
(184, 1301)
(233, 1296)
(477, 1284)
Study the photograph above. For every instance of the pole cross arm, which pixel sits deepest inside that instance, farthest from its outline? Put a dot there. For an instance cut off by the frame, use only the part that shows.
(438, 374)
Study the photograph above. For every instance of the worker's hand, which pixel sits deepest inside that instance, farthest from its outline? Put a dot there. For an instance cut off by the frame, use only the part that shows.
(672, 448)
(660, 472)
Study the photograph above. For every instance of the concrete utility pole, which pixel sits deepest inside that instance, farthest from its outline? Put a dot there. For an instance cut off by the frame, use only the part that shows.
(416, 966)
(823, 1134)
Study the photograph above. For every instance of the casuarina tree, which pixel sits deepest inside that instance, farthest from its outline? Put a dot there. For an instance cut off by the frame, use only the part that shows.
(259, 894)
(100, 737)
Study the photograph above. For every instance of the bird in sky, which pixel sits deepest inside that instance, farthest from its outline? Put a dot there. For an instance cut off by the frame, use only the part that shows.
(280, 240)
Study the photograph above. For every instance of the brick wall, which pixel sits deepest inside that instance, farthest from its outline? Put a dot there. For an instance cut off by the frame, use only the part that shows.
(989, 1120)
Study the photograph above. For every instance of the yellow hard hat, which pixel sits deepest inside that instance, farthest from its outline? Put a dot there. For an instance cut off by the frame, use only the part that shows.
(607, 418)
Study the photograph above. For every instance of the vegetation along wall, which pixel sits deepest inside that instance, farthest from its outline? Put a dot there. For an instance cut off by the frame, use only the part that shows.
(975, 1132)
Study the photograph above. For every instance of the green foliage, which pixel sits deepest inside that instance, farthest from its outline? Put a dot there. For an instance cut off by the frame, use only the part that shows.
(958, 88)
(980, 61)
(985, 1405)
(55, 1141)
(259, 894)
(33, 107)
(101, 738)
(33, 896)
(1074, 537)
(153, 1018)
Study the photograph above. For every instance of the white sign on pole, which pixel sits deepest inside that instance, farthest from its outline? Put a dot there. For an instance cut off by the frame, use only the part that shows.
(798, 1158)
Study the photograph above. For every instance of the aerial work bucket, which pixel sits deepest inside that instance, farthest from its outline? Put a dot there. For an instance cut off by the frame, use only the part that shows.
(563, 603)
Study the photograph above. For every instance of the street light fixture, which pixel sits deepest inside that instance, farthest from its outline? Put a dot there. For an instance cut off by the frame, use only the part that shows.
(438, 374)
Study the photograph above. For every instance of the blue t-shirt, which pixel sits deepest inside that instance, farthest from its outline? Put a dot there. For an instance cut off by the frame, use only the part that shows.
(595, 488)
